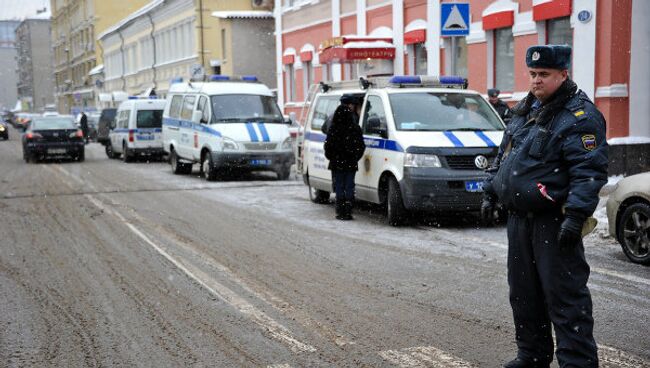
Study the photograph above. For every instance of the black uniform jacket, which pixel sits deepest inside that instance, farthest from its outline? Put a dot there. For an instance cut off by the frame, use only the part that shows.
(344, 144)
(503, 110)
(563, 162)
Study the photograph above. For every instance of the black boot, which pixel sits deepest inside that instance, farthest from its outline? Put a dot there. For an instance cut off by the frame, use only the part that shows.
(520, 363)
(340, 209)
(347, 210)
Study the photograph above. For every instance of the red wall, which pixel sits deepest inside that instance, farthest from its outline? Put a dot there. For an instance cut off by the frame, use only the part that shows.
(476, 68)
(414, 9)
(349, 25)
(522, 43)
(381, 17)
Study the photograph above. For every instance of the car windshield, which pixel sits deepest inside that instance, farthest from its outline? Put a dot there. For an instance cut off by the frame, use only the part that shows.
(241, 108)
(425, 111)
(53, 124)
(149, 119)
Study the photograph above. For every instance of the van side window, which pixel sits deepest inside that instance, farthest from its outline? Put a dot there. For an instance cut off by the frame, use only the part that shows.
(124, 119)
(204, 107)
(175, 108)
(325, 107)
(374, 117)
(188, 106)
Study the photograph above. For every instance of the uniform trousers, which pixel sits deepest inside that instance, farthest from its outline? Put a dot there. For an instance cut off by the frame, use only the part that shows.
(548, 285)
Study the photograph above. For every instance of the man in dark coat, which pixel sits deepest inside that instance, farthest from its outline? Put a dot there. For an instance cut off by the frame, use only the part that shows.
(550, 167)
(344, 147)
(83, 121)
(501, 107)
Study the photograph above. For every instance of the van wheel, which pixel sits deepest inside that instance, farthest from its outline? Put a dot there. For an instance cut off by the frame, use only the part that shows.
(179, 168)
(207, 167)
(395, 211)
(318, 196)
(109, 151)
(126, 155)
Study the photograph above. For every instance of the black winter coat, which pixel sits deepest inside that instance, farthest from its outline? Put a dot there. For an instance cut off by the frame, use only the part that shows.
(344, 145)
(558, 161)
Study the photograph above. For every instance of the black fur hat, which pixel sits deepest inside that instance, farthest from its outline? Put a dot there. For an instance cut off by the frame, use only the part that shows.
(549, 56)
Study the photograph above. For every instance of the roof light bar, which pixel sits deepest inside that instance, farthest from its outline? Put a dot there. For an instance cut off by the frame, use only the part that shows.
(219, 77)
(176, 80)
(249, 78)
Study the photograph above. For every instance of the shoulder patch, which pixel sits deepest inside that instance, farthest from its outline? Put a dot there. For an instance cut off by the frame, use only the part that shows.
(579, 113)
(589, 142)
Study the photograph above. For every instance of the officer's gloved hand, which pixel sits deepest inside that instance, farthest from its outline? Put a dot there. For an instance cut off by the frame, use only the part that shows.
(571, 229)
(488, 205)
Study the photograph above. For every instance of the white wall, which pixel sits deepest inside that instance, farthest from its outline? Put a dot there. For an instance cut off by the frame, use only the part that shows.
(639, 77)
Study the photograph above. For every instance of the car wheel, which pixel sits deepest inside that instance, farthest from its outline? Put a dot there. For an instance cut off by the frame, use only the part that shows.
(82, 155)
(633, 233)
(126, 154)
(178, 168)
(318, 196)
(109, 151)
(395, 211)
(207, 168)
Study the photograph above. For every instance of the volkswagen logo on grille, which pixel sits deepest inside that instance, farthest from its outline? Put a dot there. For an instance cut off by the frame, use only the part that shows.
(481, 162)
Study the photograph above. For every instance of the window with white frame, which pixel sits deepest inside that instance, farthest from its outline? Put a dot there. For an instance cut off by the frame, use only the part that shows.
(290, 79)
(504, 59)
(559, 32)
(307, 75)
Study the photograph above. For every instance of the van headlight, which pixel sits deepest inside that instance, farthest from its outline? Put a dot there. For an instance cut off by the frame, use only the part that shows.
(229, 145)
(287, 144)
(421, 160)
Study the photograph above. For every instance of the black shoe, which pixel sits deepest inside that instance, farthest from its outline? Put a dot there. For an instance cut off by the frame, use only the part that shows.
(520, 363)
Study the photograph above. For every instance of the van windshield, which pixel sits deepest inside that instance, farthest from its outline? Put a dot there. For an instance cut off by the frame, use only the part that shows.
(242, 108)
(425, 111)
(149, 119)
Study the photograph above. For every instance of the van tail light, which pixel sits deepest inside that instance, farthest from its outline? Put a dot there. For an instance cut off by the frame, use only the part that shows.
(131, 136)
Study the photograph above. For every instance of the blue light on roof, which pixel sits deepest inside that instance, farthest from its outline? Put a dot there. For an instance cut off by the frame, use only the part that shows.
(450, 79)
(249, 78)
(405, 79)
(133, 97)
(177, 80)
(219, 77)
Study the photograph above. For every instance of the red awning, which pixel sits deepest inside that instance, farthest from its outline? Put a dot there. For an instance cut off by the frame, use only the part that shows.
(306, 55)
(288, 59)
(346, 48)
(415, 36)
(498, 20)
(549, 9)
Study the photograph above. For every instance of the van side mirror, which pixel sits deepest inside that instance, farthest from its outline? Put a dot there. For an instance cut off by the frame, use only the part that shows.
(196, 116)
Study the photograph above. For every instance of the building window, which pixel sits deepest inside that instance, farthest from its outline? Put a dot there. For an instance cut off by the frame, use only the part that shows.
(223, 44)
(504, 59)
(559, 32)
(420, 58)
(308, 75)
(291, 83)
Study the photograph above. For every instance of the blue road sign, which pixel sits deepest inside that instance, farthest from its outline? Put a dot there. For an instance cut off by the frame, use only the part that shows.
(454, 19)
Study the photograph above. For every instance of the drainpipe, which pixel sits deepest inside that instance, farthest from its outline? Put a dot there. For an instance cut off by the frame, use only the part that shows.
(153, 43)
(123, 61)
(201, 33)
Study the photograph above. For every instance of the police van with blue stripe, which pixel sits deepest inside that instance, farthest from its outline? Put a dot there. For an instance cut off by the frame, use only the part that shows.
(428, 143)
(226, 124)
(137, 129)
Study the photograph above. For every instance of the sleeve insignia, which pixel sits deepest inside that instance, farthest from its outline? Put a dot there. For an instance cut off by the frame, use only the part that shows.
(589, 142)
(579, 113)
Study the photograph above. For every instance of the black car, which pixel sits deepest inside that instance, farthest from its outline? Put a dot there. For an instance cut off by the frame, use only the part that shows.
(53, 136)
(4, 131)
(104, 126)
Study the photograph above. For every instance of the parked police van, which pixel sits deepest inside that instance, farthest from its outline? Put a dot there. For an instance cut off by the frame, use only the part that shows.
(136, 129)
(428, 143)
(226, 124)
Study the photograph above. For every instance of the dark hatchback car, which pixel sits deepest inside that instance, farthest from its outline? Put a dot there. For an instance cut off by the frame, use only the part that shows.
(53, 136)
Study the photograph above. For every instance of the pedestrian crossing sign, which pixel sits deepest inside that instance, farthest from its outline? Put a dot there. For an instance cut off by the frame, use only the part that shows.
(454, 19)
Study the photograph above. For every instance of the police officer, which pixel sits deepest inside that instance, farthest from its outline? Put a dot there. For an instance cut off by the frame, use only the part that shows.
(550, 167)
(501, 107)
(344, 147)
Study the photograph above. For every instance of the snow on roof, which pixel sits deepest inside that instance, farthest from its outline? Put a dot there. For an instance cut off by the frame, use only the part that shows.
(221, 88)
(132, 17)
(628, 140)
(368, 45)
(501, 6)
(96, 70)
(23, 9)
(243, 14)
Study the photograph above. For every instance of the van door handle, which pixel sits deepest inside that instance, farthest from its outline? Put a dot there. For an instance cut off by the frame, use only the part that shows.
(173, 128)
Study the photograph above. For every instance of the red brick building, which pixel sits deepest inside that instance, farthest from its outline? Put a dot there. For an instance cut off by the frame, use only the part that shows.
(344, 39)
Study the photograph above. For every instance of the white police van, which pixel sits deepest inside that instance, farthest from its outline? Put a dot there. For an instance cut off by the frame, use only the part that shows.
(226, 124)
(428, 143)
(137, 129)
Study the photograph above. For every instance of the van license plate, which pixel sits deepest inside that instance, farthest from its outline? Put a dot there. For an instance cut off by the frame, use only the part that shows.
(260, 162)
(56, 151)
(474, 186)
